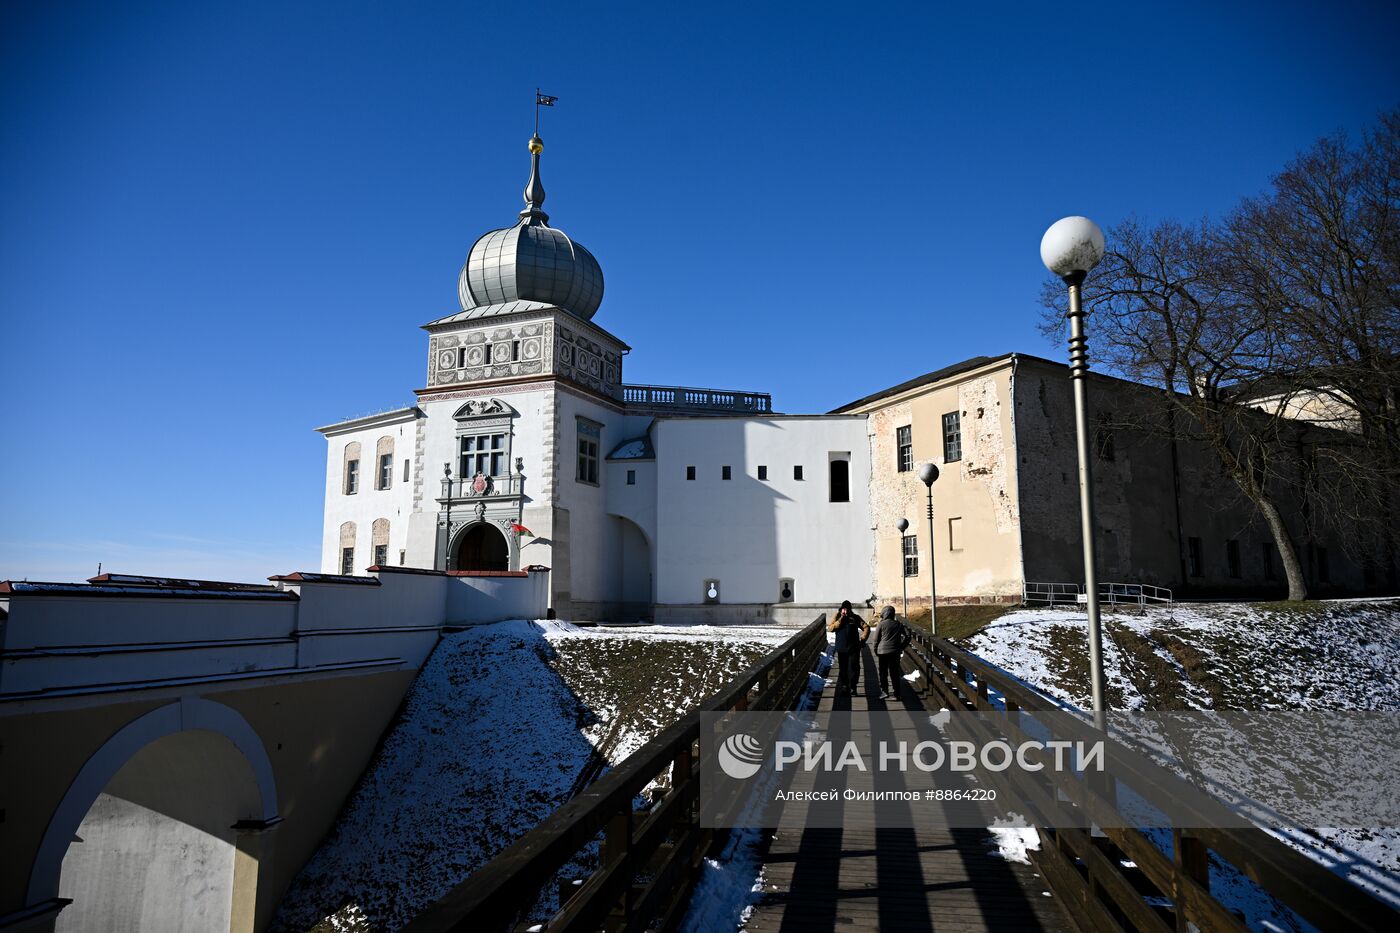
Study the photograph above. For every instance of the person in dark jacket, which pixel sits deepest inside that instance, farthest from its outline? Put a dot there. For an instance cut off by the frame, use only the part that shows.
(888, 646)
(848, 627)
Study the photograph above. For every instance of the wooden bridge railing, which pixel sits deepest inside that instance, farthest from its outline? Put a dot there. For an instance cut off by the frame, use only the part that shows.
(1087, 872)
(649, 859)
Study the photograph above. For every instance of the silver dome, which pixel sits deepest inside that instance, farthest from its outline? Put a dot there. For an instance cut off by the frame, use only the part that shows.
(531, 261)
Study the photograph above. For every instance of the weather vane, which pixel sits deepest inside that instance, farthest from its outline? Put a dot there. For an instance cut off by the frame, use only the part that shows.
(541, 100)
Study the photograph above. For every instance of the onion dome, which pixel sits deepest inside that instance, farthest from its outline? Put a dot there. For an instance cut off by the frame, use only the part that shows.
(530, 262)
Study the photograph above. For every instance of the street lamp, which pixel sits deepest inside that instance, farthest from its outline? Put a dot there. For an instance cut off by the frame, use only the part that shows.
(1070, 248)
(927, 474)
(447, 532)
(903, 526)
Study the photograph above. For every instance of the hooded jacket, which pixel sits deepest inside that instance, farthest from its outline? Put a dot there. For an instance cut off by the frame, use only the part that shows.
(887, 633)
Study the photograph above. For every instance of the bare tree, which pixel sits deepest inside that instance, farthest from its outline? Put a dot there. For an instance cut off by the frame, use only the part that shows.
(1163, 316)
(1319, 254)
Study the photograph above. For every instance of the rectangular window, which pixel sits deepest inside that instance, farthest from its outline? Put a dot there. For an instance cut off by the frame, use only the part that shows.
(1324, 572)
(405, 470)
(955, 534)
(347, 560)
(403, 556)
(589, 433)
(762, 472)
(952, 437)
(352, 477)
(840, 481)
(1193, 557)
(904, 442)
(631, 477)
(690, 472)
(1103, 439)
(386, 470)
(484, 454)
(910, 548)
(515, 351)
(1232, 558)
(461, 357)
(1266, 552)
(724, 472)
(797, 472)
(381, 555)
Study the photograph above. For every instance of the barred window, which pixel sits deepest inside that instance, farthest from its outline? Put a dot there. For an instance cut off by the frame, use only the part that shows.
(347, 560)
(911, 555)
(904, 440)
(381, 555)
(952, 437)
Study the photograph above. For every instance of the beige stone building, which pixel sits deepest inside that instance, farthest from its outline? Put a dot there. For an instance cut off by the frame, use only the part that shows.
(1006, 504)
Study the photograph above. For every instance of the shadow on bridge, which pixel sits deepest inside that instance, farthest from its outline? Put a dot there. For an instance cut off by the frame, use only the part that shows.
(892, 875)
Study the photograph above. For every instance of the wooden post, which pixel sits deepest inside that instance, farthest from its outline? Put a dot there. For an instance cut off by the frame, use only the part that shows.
(1192, 860)
(617, 847)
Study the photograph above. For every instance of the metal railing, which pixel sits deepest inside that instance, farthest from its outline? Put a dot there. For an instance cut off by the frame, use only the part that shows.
(1122, 880)
(649, 859)
(1136, 594)
(460, 490)
(681, 397)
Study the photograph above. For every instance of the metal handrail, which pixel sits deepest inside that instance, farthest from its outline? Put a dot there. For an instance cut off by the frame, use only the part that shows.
(1097, 891)
(1138, 594)
(664, 845)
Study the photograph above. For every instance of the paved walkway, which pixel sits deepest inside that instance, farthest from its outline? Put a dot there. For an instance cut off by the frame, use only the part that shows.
(895, 879)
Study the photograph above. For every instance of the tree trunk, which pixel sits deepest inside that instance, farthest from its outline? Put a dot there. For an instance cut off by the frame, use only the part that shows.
(1297, 586)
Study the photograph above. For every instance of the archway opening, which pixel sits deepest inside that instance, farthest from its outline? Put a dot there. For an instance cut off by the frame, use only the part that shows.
(634, 578)
(482, 547)
(157, 850)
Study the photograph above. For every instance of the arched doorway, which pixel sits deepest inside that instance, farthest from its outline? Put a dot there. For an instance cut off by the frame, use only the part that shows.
(482, 547)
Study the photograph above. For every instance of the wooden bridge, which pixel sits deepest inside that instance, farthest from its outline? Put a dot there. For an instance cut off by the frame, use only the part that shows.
(887, 878)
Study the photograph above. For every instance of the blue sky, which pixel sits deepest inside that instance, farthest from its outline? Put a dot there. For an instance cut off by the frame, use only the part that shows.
(221, 224)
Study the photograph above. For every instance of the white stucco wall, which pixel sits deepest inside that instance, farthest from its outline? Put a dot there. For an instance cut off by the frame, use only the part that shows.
(748, 533)
(369, 503)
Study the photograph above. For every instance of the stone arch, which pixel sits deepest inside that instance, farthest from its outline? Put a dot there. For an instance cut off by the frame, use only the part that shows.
(202, 731)
(352, 455)
(379, 538)
(382, 448)
(481, 545)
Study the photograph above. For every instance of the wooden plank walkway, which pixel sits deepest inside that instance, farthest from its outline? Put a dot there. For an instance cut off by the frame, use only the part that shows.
(895, 879)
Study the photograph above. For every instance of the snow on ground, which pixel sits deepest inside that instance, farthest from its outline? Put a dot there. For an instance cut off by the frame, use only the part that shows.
(486, 746)
(1331, 655)
(496, 731)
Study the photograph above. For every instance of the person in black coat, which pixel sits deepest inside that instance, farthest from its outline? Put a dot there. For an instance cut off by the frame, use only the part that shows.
(848, 628)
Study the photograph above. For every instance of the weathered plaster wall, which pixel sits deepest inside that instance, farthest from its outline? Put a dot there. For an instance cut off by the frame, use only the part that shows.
(979, 489)
(1144, 513)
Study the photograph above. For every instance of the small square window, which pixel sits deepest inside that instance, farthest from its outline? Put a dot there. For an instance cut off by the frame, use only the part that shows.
(631, 477)
(762, 472)
(724, 472)
(690, 472)
(797, 472)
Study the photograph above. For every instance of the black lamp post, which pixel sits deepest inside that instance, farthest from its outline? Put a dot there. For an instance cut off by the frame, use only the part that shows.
(927, 474)
(903, 526)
